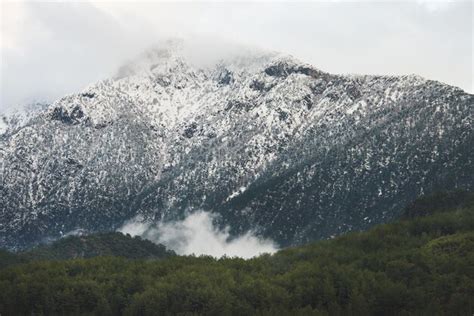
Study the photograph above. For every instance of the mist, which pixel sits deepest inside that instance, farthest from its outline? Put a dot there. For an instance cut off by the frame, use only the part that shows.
(197, 234)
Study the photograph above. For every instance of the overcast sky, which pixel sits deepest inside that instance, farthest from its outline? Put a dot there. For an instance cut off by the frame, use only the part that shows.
(51, 49)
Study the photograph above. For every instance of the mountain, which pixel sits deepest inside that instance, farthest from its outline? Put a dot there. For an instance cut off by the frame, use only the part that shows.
(422, 265)
(270, 143)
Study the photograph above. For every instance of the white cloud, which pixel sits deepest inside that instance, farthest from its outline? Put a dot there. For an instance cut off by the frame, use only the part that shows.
(436, 5)
(197, 234)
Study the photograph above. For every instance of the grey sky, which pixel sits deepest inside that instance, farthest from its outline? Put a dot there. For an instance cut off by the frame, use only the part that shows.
(51, 49)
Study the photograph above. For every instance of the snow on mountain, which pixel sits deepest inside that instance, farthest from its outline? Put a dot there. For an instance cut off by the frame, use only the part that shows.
(271, 143)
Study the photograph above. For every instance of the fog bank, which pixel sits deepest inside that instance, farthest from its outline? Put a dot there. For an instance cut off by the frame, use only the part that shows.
(197, 234)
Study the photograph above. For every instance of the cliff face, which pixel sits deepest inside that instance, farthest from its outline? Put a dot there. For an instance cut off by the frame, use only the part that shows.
(270, 143)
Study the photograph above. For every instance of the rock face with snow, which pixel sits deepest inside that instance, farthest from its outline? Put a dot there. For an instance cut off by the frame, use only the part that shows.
(270, 143)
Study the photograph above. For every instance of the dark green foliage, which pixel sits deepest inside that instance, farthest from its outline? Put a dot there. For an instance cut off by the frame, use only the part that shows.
(102, 244)
(438, 202)
(7, 258)
(422, 265)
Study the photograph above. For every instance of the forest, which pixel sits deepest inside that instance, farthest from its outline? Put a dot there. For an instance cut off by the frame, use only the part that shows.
(420, 264)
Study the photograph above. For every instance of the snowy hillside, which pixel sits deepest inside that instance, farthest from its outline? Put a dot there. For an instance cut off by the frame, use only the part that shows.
(272, 144)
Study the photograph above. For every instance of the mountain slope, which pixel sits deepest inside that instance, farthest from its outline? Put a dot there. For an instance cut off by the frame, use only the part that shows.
(272, 144)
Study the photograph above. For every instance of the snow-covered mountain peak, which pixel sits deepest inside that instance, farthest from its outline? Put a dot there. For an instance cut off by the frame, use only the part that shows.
(175, 54)
(158, 59)
(168, 84)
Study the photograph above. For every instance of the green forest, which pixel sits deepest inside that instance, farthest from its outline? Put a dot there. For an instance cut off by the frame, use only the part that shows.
(421, 264)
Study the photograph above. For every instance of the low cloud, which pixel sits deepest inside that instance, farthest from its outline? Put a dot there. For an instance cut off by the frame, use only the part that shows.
(197, 234)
